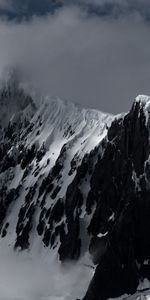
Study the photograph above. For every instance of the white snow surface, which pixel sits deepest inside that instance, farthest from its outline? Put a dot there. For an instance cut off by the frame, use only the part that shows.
(102, 234)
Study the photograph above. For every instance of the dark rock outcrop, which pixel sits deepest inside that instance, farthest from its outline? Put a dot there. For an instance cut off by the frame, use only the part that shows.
(119, 191)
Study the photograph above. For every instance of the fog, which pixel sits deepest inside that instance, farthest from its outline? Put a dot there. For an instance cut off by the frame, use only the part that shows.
(34, 278)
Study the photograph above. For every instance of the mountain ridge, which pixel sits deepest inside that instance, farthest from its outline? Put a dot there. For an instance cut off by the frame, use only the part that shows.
(70, 178)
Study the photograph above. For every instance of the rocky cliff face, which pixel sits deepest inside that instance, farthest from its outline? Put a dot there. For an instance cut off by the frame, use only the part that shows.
(76, 181)
(121, 222)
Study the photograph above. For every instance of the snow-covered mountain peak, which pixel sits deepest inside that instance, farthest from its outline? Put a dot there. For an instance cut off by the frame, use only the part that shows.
(144, 102)
(144, 99)
(21, 99)
(55, 134)
(55, 119)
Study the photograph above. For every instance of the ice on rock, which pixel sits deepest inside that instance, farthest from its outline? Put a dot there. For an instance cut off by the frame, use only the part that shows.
(144, 100)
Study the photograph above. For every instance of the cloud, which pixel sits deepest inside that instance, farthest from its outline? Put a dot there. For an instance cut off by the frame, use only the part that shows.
(99, 62)
(123, 3)
(6, 5)
(117, 8)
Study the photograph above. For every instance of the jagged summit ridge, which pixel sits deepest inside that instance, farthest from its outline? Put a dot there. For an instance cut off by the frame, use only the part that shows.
(143, 99)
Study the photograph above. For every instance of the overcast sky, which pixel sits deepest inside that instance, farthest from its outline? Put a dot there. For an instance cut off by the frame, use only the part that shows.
(99, 56)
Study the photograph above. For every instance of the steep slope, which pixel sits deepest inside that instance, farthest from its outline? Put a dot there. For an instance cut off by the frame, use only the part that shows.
(40, 155)
(121, 192)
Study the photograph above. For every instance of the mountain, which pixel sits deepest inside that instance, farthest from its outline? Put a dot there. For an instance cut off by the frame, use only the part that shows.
(121, 222)
(75, 189)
